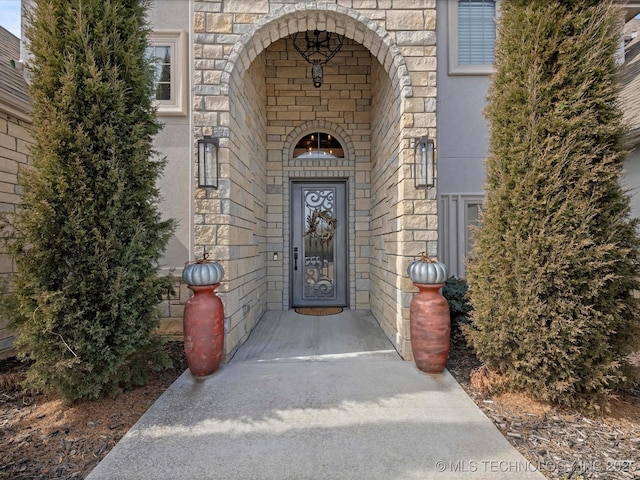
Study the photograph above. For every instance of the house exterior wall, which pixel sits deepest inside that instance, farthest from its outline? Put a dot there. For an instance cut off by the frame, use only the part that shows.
(388, 68)
(248, 87)
(386, 215)
(399, 44)
(174, 142)
(631, 180)
(240, 229)
(462, 147)
(15, 139)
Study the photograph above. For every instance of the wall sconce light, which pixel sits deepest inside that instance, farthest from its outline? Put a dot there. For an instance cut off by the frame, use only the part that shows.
(208, 162)
(275, 256)
(425, 173)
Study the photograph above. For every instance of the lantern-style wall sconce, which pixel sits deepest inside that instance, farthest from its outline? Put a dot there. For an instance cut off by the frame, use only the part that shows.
(208, 162)
(425, 169)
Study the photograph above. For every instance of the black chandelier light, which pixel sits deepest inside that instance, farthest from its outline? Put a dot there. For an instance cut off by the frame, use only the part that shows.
(318, 48)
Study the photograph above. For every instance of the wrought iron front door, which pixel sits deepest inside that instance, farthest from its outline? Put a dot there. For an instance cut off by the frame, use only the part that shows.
(319, 254)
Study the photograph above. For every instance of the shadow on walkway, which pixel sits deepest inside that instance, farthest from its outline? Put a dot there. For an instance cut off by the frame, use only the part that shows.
(315, 398)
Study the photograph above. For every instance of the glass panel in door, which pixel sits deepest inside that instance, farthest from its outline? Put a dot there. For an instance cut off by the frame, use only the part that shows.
(319, 253)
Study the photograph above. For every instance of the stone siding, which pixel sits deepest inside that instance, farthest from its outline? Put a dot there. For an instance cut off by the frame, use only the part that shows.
(230, 221)
(378, 94)
(295, 108)
(15, 140)
(172, 310)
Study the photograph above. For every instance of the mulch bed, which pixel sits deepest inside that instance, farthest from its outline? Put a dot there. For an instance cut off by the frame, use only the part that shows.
(42, 438)
(561, 443)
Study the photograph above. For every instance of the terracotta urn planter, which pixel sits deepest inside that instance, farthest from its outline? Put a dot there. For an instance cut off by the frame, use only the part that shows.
(429, 318)
(203, 321)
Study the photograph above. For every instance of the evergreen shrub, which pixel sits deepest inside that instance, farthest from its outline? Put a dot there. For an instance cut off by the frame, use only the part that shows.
(88, 236)
(455, 291)
(554, 266)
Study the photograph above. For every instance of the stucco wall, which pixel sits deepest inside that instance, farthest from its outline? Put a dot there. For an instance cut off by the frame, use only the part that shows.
(462, 128)
(461, 147)
(175, 142)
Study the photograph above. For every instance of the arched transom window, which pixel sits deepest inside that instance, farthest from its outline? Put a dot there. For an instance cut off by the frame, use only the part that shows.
(318, 145)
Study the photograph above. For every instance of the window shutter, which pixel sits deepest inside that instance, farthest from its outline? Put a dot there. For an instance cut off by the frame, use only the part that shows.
(476, 31)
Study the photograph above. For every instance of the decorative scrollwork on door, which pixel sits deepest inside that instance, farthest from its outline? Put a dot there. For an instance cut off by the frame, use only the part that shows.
(319, 281)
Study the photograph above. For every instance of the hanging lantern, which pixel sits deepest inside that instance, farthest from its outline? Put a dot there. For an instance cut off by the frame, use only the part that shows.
(316, 74)
(318, 48)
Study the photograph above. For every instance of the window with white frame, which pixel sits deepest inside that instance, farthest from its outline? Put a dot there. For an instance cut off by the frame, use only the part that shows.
(472, 36)
(168, 51)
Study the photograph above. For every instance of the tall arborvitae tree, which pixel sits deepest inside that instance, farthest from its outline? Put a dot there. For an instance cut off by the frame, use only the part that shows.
(554, 265)
(89, 233)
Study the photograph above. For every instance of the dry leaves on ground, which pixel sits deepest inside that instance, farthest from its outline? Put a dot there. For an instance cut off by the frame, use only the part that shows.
(559, 442)
(42, 438)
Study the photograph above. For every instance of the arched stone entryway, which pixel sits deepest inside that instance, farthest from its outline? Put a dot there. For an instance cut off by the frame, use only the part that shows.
(344, 21)
(239, 97)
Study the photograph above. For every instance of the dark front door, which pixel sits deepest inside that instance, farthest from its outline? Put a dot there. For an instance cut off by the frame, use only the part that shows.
(319, 255)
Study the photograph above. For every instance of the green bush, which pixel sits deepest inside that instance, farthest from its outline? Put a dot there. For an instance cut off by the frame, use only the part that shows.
(455, 291)
(89, 234)
(555, 261)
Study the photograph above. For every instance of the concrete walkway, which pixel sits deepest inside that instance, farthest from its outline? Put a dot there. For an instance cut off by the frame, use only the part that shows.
(315, 398)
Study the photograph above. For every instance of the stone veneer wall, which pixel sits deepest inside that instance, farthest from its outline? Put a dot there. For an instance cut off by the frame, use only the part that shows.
(385, 221)
(246, 287)
(230, 221)
(15, 140)
(403, 219)
(295, 108)
(391, 221)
